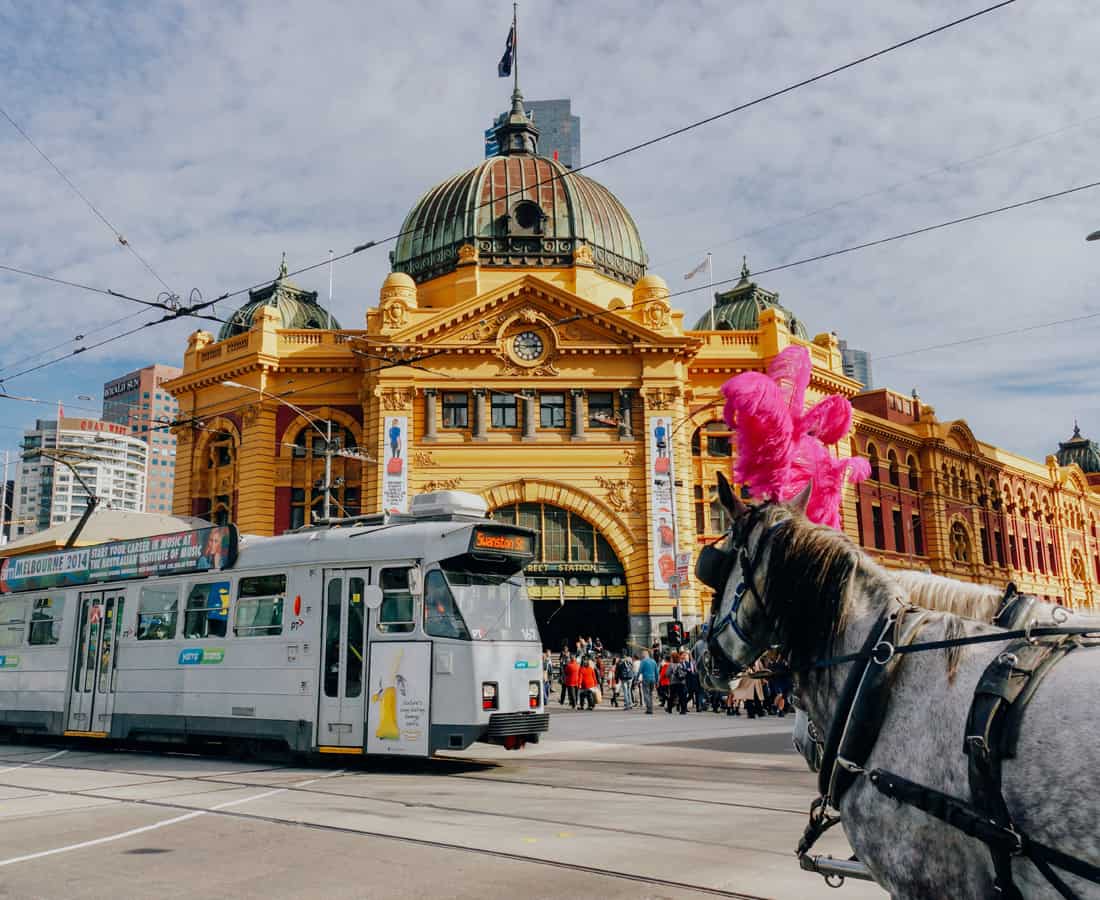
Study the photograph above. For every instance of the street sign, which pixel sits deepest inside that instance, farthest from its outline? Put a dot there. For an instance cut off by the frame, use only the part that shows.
(683, 566)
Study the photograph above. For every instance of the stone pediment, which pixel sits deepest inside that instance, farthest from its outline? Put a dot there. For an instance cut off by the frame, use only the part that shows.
(574, 321)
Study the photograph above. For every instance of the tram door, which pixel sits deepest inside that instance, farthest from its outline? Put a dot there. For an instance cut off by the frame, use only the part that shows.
(95, 669)
(343, 694)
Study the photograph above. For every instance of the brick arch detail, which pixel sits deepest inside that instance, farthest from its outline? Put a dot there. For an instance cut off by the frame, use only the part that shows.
(300, 423)
(557, 493)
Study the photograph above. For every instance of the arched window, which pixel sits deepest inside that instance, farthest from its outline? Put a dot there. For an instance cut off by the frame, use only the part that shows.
(220, 478)
(712, 440)
(307, 474)
(914, 475)
(895, 474)
(564, 537)
(960, 543)
(872, 458)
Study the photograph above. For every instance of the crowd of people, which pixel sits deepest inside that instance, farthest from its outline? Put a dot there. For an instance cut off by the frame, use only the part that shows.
(658, 677)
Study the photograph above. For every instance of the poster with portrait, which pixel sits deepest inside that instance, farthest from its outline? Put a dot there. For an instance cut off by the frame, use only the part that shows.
(395, 471)
(400, 687)
(663, 509)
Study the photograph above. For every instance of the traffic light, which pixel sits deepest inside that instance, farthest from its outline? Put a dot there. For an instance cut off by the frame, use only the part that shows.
(674, 634)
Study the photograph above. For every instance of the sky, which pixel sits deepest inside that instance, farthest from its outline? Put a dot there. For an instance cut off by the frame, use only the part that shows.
(216, 136)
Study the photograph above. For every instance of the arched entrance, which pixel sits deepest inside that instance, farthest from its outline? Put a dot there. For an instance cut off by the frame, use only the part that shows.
(577, 583)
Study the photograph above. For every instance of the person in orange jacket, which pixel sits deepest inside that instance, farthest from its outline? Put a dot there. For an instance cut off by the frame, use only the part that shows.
(571, 676)
(588, 684)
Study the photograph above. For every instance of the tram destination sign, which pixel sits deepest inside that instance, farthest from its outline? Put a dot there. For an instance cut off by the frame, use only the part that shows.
(177, 553)
(506, 541)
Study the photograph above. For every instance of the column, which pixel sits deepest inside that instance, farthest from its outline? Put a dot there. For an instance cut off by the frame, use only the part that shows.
(429, 414)
(255, 510)
(626, 428)
(578, 414)
(529, 413)
(479, 414)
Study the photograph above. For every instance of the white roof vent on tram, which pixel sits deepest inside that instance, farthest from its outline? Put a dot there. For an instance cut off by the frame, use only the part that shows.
(449, 503)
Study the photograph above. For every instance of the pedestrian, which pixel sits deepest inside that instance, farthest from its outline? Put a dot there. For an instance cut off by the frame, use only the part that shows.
(677, 684)
(624, 675)
(547, 675)
(750, 691)
(597, 647)
(563, 659)
(589, 686)
(691, 683)
(647, 676)
(636, 684)
(663, 681)
(572, 679)
(615, 682)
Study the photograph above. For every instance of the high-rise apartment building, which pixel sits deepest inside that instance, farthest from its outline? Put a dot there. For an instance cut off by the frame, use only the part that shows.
(857, 364)
(108, 460)
(559, 131)
(136, 401)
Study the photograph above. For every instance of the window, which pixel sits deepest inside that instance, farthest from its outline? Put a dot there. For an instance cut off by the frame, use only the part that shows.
(719, 518)
(555, 531)
(859, 522)
(999, 547)
(876, 521)
(718, 439)
(895, 474)
(260, 606)
(918, 536)
(207, 611)
(456, 410)
(582, 536)
(503, 410)
(396, 613)
(601, 409)
(1039, 557)
(984, 536)
(157, 611)
(899, 532)
(441, 616)
(13, 620)
(46, 616)
(552, 410)
(1053, 559)
(1026, 544)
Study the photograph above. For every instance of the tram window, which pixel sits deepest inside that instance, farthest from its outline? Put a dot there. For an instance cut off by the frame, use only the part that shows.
(207, 610)
(441, 616)
(13, 621)
(46, 616)
(332, 637)
(396, 613)
(157, 612)
(353, 678)
(260, 606)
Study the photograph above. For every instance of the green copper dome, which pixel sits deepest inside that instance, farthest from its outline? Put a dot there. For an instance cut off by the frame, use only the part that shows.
(297, 308)
(739, 309)
(1079, 450)
(519, 209)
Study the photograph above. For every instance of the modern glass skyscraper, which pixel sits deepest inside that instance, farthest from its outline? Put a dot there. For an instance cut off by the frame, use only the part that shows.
(559, 131)
(857, 364)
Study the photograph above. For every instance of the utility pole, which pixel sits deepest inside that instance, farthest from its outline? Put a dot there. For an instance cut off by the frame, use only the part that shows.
(4, 499)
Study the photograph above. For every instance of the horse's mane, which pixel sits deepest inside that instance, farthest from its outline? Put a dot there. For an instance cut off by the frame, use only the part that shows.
(971, 601)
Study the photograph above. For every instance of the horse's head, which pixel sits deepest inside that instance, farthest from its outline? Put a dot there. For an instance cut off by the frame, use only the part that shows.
(741, 625)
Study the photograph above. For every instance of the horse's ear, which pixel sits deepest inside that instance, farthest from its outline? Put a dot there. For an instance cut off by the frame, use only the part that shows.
(729, 499)
(799, 503)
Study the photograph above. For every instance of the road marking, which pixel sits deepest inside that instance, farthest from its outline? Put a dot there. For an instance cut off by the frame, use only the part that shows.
(175, 820)
(35, 762)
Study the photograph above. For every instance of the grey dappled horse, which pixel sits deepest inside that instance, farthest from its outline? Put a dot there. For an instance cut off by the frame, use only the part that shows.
(813, 595)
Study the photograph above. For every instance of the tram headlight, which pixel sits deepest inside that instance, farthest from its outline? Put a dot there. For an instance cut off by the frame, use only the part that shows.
(488, 695)
(534, 690)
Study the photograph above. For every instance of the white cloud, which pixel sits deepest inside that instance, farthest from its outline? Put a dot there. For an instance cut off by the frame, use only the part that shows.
(215, 136)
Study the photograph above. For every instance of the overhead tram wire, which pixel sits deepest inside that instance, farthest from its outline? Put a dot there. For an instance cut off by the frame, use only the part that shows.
(95, 210)
(676, 132)
(75, 338)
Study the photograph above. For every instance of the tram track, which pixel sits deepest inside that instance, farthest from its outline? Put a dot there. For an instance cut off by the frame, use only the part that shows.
(405, 839)
(222, 779)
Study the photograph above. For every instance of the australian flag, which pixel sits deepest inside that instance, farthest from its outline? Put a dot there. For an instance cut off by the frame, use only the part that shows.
(504, 67)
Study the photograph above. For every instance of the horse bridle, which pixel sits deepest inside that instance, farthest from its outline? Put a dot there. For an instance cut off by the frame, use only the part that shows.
(714, 566)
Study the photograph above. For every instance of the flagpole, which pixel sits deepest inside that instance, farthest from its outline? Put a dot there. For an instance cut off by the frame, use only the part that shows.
(515, 51)
(710, 287)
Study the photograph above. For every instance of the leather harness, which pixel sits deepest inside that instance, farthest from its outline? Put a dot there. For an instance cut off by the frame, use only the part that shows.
(992, 730)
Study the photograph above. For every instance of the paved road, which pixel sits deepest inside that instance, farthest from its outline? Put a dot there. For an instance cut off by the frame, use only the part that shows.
(613, 804)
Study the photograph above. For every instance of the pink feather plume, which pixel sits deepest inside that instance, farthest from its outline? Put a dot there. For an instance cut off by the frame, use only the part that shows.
(780, 446)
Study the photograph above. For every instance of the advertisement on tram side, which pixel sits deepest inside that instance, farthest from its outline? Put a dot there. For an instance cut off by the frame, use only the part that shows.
(400, 688)
(178, 553)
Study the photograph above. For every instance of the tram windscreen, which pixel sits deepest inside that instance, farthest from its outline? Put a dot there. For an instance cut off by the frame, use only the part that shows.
(493, 604)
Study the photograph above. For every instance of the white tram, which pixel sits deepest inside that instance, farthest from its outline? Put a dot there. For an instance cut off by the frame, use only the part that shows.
(400, 634)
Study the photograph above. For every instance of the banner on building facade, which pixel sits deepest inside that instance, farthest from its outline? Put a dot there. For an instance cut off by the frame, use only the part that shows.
(663, 510)
(395, 472)
(178, 553)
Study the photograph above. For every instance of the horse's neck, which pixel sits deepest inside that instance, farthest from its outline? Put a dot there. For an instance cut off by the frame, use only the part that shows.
(870, 593)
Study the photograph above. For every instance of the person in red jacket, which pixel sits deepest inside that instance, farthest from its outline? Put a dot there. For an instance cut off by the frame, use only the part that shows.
(588, 684)
(663, 681)
(571, 676)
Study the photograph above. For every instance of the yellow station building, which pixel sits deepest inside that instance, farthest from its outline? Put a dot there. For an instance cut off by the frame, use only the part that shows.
(520, 350)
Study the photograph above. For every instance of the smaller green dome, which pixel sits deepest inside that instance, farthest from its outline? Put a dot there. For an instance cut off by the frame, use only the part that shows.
(739, 308)
(1079, 450)
(298, 309)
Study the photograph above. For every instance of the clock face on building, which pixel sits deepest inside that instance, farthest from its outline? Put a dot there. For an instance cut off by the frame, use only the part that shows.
(527, 345)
